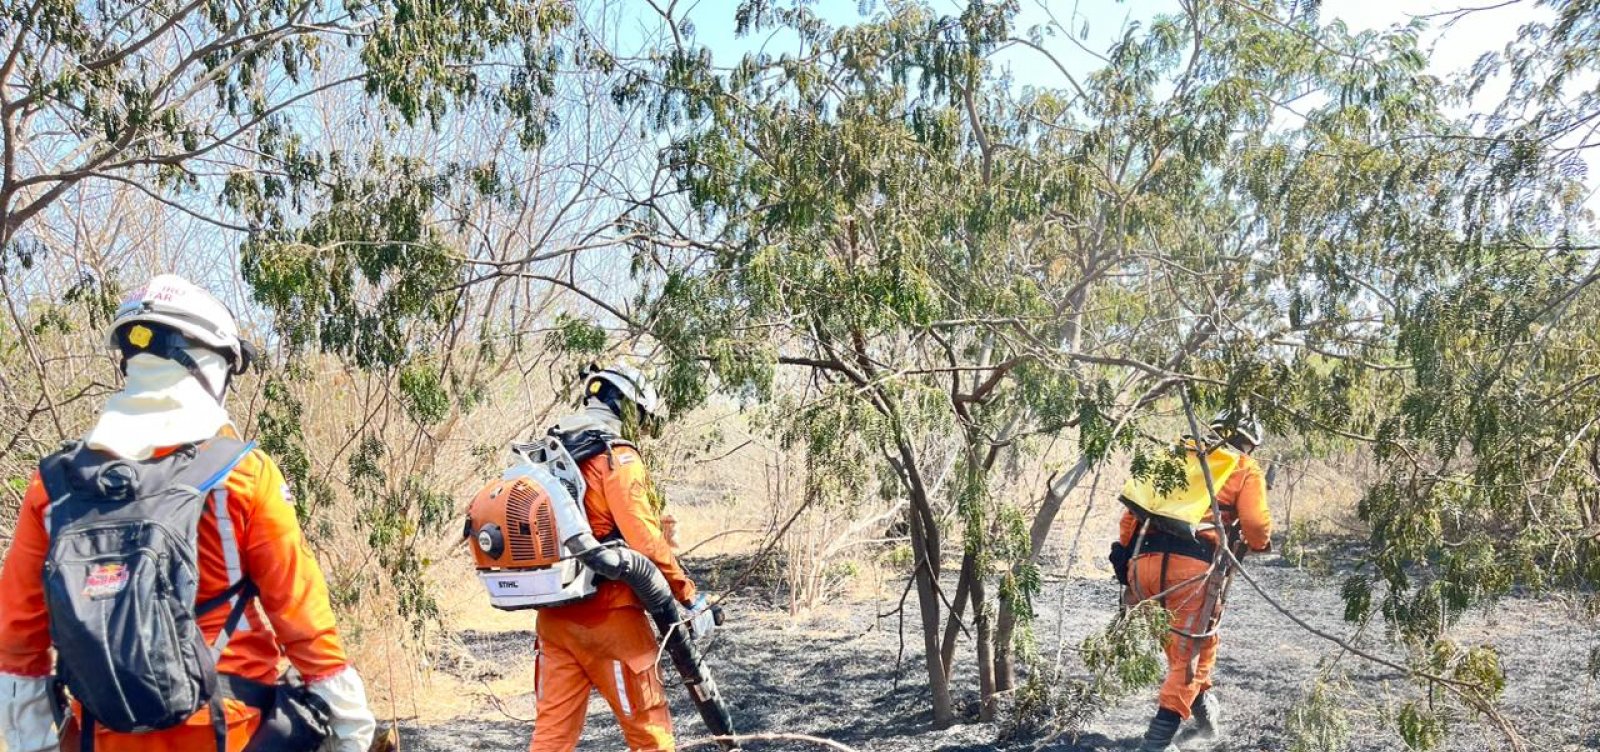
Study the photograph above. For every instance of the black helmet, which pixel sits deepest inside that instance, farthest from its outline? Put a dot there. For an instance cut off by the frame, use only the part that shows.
(1239, 422)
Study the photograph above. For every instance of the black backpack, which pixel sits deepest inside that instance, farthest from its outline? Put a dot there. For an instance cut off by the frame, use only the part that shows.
(120, 582)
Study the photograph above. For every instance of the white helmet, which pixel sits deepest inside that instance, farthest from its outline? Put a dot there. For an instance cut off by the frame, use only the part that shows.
(172, 301)
(630, 381)
(168, 317)
(1242, 422)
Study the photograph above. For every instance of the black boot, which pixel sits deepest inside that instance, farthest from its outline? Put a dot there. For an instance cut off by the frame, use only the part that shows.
(1207, 714)
(1158, 738)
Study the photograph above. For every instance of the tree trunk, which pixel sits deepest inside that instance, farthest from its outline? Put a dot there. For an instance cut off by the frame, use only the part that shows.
(952, 627)
(1288, 518)
(928, 603)
(985, 638)
(1005, 670)
(1005, 660)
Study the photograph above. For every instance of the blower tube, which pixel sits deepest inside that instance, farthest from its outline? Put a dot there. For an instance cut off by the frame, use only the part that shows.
(626, 565)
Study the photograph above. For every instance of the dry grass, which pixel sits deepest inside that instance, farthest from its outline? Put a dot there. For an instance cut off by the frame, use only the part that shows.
(729, 489)
(729, 492)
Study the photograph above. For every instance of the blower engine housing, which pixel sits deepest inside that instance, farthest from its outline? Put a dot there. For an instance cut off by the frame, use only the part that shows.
(518, 527)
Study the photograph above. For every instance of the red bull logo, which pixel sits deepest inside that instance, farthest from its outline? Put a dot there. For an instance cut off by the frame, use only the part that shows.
(105, 581)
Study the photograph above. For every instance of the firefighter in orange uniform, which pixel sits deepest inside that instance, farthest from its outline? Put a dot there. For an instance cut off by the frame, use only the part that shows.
(1176, 571)
(606, 642)
(173, 397)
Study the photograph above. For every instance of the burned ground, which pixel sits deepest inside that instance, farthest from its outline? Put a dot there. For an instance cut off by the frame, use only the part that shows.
(841, 674)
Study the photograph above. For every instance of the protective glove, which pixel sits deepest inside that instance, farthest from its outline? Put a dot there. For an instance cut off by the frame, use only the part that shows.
(350, 719)
(669, 530)
(25, 714)
(702, 618)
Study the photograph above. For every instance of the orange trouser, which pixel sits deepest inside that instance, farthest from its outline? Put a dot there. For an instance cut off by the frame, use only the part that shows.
(1189, 660)
(609, 649)
(193, 735)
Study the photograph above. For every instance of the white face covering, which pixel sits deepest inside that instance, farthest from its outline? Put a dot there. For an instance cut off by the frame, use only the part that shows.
(595, 415)
(161, 405)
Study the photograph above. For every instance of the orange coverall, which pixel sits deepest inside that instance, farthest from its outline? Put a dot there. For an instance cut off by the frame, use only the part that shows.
(267, 547)
(607, 642)
(1243, 499)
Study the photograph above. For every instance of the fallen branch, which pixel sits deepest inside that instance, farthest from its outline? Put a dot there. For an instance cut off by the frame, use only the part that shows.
(723, 534)
(741, 738)
(501, 706)
(1335, 639)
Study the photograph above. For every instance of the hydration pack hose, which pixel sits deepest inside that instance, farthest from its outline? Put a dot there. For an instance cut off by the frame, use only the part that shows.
(628, 566)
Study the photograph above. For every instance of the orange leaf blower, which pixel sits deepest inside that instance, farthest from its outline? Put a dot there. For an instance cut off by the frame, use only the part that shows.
(535, 549)
(520, 528)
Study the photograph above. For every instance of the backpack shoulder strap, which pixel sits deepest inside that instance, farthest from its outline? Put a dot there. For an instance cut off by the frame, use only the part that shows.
(55, 472)
(213, 461)
(586, 444)
(54, 469)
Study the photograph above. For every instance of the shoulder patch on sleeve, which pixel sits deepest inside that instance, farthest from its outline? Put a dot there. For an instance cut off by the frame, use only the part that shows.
(626, 458)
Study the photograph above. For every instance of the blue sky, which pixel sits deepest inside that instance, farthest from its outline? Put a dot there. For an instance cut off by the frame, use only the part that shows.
(1454, 45)
(714, 25)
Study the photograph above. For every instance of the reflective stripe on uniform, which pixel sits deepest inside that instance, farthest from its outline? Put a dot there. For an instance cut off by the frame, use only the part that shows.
(622, 689)
(230, 555)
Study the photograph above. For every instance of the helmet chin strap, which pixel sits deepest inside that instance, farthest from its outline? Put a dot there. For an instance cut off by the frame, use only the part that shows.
(183, 358)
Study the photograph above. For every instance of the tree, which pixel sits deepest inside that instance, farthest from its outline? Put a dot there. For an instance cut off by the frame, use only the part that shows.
(1488, 487)
(948, 258)
(1236, 199)
(1487, 293)
(948, 255)
(411, 187)
(173, 99)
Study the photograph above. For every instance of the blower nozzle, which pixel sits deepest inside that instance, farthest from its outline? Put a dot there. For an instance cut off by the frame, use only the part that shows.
(626, 565)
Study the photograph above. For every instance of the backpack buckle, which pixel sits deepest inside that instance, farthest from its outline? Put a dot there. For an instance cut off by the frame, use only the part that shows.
(117, 481)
